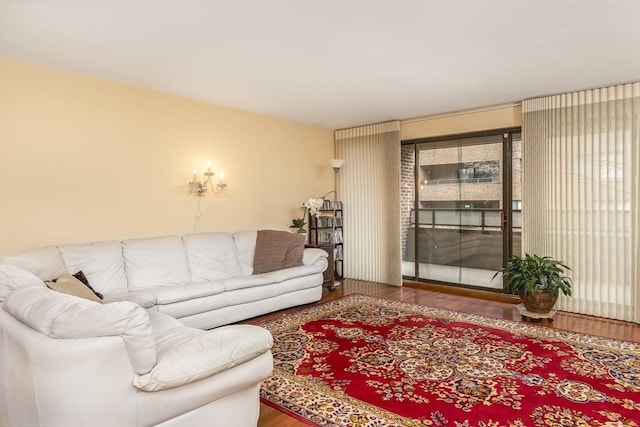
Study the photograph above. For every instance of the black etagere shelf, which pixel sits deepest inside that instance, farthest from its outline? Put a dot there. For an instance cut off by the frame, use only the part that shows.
(325, 232)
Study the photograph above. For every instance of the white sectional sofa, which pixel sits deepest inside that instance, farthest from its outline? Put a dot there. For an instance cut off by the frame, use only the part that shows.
(204, 279)
(144, 356)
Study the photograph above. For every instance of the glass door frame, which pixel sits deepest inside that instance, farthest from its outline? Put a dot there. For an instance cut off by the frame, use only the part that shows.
(507, 195)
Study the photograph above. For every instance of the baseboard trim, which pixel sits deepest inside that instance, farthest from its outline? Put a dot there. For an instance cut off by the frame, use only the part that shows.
(474, 293)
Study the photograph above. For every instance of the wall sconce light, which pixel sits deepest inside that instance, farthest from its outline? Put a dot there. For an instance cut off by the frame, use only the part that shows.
(216, 185)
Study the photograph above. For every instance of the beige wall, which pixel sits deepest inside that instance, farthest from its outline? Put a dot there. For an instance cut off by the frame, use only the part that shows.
(488, 118)
(84, 159)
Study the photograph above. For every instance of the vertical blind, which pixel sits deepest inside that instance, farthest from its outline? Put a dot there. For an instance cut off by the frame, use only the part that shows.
(581, 157)
(369, 185)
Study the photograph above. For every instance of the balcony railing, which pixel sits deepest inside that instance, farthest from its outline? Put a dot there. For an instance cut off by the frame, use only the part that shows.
(463, 180)
(464, 218)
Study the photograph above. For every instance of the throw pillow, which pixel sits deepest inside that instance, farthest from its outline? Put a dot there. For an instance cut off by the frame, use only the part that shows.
(80, 276)
(68, 284)
(276, 250)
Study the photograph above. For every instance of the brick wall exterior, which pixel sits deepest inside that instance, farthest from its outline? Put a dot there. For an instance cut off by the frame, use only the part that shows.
(468, 155)
(407, 163)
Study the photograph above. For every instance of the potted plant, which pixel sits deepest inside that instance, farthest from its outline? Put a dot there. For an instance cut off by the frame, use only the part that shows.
(313, 206)
(537, 280)
(298, 224)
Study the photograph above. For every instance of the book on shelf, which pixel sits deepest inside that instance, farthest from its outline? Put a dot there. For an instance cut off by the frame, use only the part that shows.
(330, 205)
(329, 237)
(328, 221)
(324, 237)
(337, 253)
(324, 221)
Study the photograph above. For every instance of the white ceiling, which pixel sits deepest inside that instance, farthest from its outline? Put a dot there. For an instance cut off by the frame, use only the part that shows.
(336, 63)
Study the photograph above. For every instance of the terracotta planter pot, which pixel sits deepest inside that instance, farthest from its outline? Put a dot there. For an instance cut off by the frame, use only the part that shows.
(539, 302)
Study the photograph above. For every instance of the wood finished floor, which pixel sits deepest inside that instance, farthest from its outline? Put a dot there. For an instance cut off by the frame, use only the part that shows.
(465, 301)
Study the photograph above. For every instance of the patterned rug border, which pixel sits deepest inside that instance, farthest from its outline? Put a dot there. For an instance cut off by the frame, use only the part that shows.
(280, 408)
(526, 329)
(360, 410)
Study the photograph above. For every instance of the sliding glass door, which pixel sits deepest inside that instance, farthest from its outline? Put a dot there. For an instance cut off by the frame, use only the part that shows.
(462, 220)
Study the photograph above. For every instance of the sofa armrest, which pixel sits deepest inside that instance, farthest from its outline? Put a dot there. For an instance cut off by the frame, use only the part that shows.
(186, 354)
(313, 255)
(143, 299)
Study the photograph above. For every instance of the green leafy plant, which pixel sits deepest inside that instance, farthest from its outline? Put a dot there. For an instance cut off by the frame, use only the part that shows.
(528, 274)
(299, 224)
(313, 206)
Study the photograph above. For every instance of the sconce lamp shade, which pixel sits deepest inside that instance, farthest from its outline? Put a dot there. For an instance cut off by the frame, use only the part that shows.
(336, 164)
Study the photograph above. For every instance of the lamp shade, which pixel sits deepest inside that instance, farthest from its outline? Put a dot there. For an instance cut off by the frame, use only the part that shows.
(336, 164)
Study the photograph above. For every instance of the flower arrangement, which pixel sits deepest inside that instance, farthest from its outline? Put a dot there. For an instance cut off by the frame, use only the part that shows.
(313, 206)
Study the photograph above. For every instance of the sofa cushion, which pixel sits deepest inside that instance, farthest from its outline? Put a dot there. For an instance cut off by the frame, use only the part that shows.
(188, 354)
(285, 274)
(155, 262)
(195, 307)
(46, 263)
(185, 291)
(62, 316)
(70, 285)
(276, 250)
(211, 256)
(245, 242)
(243, 282)
(12, 277)
(143, 299)
(101, 262)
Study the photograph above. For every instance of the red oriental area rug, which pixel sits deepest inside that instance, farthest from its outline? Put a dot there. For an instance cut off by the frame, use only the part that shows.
(364, 361)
